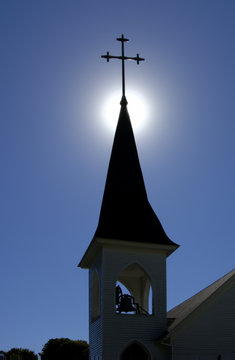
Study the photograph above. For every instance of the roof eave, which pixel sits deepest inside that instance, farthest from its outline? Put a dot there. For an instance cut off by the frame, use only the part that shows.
(97, 243)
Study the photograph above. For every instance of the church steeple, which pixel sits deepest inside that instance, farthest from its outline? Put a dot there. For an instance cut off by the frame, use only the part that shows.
(126, 213)
(129, 249)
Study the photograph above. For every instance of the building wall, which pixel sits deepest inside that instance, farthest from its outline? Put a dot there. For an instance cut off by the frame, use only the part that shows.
(95, 327)
(210, 331)
(119, 330)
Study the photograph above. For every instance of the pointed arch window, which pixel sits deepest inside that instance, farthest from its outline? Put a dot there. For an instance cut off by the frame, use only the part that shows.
(133, 291)
(135, 351)
(95, 297)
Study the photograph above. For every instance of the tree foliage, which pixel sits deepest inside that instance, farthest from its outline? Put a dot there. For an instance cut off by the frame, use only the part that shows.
(20, 354)
(64, 348)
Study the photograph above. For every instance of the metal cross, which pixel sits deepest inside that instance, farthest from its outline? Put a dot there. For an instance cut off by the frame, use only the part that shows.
(123, 58)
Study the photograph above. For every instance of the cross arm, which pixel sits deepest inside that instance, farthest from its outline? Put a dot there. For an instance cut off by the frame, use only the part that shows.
(137, 58)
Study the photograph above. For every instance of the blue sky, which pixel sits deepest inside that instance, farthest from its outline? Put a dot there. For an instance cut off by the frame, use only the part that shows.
(54, 147)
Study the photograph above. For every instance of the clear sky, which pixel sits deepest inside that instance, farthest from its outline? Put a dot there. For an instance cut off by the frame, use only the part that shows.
(55, 147)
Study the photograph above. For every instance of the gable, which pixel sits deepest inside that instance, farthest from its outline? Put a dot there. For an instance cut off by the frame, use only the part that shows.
(210, 327)
(183, 311)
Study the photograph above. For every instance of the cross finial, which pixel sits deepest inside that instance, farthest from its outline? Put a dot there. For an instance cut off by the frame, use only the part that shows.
(123, 58)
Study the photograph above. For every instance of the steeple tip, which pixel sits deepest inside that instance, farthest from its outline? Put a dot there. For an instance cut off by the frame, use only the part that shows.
(123, 101)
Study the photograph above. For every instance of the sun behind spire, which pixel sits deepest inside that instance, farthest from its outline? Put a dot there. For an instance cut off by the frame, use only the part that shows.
(126, 213)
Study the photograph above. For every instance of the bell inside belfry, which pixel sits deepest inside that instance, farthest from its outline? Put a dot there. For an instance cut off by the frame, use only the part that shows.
(133, 291)
(125, 302)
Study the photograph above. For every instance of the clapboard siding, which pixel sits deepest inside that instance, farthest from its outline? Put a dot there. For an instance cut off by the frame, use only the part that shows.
(119, 330)
(210, 330)
(95, 327)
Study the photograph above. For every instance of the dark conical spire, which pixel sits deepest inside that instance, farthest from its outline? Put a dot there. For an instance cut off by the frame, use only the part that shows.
(125, 212)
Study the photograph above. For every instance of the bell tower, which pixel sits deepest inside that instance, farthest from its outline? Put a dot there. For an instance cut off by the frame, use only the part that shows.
(127, 257)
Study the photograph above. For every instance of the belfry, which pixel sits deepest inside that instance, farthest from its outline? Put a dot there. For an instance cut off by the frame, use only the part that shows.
(129, 247)
(126, 258)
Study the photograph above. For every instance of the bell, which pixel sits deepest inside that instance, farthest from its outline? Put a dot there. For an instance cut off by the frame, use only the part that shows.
(127, 303)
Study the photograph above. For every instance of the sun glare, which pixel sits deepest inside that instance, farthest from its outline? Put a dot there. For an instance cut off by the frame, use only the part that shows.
(137, 109)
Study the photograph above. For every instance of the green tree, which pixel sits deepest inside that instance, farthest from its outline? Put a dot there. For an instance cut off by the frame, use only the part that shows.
(20, 354)
(64, 348)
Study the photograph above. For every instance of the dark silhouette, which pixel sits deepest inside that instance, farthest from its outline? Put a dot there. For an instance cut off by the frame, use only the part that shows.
(123, 58)
(126, 213)
(134, 352)
(2, 354)
(125, 303)
(64, 348)
(20, 354)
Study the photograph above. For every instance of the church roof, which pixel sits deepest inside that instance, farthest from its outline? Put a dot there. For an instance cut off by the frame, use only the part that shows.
(126, 213)
(182, 311)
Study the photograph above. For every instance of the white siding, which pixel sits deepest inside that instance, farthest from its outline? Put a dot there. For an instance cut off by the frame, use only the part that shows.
(119, 330)
(95, 327)
(210, 330)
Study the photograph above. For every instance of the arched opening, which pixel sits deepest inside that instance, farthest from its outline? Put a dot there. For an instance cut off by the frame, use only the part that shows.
(133, 291)
(95, 297)
(135, 352)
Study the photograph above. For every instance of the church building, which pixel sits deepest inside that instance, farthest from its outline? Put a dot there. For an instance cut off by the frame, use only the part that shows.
(126, 258)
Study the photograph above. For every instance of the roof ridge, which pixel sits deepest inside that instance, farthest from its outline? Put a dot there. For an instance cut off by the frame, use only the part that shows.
(184, 309)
